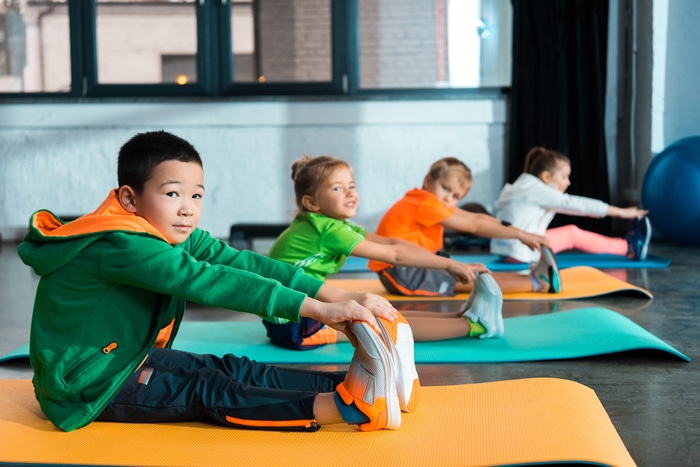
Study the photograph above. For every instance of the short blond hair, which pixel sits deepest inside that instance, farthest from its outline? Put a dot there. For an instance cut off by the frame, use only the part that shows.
(447, 165)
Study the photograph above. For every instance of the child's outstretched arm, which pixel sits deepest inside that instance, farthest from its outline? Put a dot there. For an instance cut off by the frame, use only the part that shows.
(483, 225)
(403, 253)
(626, 213)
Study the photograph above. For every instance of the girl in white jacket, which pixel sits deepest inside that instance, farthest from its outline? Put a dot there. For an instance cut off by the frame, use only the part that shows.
(531, 202)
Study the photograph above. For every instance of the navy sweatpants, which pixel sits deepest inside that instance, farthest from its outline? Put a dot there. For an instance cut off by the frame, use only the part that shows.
(177, 386)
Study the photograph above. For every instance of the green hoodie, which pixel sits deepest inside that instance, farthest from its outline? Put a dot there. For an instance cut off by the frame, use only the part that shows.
(112, 287)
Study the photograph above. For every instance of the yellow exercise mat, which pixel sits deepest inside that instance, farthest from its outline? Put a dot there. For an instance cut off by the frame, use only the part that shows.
(524, 421)
(577, 282)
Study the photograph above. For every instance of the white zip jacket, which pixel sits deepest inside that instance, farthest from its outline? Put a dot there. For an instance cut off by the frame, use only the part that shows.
(530, 205)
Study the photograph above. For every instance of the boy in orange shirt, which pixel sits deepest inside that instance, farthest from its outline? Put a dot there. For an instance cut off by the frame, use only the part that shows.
(422, 215)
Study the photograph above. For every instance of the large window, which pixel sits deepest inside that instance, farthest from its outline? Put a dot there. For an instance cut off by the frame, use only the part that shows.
(251, 47)
(429, 44)
(34, 47)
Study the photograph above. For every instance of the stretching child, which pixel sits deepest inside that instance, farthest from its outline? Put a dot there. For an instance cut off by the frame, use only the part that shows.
(421, 216)
(112, 294)
(321, 237)
(532, 201)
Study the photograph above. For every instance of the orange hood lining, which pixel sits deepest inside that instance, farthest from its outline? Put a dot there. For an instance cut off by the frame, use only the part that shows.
(109, 216)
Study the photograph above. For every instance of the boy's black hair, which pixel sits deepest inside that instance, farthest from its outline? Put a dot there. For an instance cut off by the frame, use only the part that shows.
(143, 152)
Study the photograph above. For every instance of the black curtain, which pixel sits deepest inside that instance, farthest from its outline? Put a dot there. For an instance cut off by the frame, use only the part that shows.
(557, 97)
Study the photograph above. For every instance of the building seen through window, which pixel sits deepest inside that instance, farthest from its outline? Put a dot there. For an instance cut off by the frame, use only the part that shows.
(391, 44)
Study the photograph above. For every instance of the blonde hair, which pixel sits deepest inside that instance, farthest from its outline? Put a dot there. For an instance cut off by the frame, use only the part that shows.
(309, 173)
(447, 165)
(540, 159)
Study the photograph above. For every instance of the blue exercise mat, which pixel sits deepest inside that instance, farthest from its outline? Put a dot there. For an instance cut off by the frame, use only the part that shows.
(564, 260)
(583, 332)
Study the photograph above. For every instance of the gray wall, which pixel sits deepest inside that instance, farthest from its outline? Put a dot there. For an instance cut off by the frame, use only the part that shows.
(62, 157)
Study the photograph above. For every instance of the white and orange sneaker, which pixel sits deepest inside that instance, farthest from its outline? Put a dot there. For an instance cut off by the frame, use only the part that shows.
(398, 337)
(371, 382)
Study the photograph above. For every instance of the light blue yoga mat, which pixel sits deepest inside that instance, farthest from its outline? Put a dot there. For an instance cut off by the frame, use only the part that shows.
(583, 332)
(564, 260)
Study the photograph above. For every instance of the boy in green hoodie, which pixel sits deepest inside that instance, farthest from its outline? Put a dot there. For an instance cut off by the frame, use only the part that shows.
(112, 293)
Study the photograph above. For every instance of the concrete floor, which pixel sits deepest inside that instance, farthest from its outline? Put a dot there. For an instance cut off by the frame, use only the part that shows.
(653, 399)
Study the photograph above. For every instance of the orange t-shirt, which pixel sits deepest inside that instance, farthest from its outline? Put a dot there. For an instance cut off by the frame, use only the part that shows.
(415, 218)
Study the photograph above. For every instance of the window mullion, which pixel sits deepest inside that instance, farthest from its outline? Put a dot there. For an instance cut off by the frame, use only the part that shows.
(208, 30)
(87, 31)
(345, 45)
(77, 39)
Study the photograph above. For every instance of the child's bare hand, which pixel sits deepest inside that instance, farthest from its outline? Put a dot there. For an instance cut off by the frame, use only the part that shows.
(632, 212)
(534, 241)
(465, 273)
(378, 305)
(339, 315)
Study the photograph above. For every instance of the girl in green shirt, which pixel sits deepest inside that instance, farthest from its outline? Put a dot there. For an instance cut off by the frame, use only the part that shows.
(321, 237)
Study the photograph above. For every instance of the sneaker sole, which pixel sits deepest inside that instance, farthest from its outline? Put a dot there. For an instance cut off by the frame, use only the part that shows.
(398, 337)
(386, 410)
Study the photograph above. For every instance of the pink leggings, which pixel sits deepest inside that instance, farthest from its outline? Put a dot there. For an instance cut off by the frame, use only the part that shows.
(571, 237)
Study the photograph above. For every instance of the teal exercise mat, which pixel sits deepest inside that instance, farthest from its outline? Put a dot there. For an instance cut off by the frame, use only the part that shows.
(582, 332)
(16, 354)
(564, 260)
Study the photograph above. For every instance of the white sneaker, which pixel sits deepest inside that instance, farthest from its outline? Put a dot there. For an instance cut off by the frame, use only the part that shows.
(546, 271)
(398, 337)
(371, 381)
(485, 306)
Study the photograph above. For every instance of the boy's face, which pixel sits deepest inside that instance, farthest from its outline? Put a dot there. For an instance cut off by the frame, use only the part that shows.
(172, 199)
(448, 188)
(337, 197)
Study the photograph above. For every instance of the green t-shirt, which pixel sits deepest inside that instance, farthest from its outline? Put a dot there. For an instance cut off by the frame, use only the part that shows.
(317, 244)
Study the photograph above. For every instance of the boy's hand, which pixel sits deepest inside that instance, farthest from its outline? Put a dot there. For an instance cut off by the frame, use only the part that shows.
(465, 273)
(339, 315)
(533, 241)
(378, 305)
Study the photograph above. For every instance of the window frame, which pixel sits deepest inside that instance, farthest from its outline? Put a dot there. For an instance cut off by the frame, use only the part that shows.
(214, 64)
